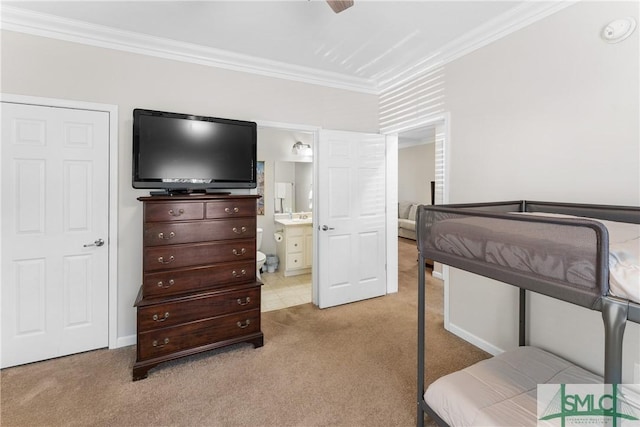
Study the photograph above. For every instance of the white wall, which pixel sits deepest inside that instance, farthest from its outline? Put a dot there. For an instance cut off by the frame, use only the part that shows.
(547, 113)
(416, 170)
(51, 68)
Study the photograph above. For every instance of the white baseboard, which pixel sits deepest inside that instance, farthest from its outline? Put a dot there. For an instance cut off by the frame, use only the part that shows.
(472, 339)
(125, 341)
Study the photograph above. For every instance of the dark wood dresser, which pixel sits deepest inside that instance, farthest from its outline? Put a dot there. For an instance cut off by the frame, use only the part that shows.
(199, 290)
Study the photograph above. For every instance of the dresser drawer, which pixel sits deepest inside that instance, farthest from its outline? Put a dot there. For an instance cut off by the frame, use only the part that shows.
(173, 211)
(230, 208)
(169, 233)
(196, 334)
(197, 278)
(158, 258)
(201, 307)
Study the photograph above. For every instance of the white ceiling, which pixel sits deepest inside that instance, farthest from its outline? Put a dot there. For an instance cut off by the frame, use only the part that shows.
(367, 45)
(419, 136)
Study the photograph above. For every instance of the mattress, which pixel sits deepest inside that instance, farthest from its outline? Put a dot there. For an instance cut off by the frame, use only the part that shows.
(501, 391)
(624, 260)
(566, 254)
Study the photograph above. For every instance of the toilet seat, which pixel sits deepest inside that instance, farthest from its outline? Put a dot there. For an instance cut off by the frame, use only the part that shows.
(260, 260)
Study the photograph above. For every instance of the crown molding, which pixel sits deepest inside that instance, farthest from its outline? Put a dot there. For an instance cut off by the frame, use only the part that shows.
(45, 25)
(501, 26)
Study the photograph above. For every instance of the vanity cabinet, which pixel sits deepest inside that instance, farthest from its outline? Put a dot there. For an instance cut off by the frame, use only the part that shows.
(296, 250)
(199, 290)
(308, 247)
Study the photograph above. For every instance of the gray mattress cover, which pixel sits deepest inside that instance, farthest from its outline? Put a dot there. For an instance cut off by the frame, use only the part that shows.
(566, 254)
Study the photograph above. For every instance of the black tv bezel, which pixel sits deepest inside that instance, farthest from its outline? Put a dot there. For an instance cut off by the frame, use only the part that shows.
(188, 187)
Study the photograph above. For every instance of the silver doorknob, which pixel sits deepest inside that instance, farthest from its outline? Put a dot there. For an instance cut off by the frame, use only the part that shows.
(325, 228)
(98, 242)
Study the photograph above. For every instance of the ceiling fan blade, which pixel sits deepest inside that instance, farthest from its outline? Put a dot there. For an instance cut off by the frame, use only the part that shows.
(340, 5)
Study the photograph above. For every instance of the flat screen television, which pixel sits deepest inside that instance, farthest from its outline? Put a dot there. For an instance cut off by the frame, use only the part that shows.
(177, 153)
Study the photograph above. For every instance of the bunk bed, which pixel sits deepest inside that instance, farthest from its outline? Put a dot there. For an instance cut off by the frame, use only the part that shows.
(587, 255)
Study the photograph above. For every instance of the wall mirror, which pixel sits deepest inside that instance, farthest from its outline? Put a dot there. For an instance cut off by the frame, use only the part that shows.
(293, 187)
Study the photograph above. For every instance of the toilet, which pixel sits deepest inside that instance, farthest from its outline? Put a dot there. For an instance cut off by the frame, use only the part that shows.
(260, 257)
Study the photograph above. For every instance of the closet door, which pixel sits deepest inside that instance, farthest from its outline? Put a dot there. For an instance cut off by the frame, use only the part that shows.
(351, 217)
(55, 210)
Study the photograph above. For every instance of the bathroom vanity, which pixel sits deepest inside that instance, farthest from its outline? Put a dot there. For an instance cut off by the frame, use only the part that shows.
(296, 249)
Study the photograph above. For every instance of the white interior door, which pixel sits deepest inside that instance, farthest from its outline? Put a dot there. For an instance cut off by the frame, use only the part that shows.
(351, 217)
(55, 211)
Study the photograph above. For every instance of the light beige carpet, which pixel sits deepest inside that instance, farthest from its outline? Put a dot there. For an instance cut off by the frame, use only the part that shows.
(353, 365)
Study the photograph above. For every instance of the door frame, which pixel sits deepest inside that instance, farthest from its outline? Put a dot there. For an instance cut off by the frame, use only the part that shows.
(441, 121)
(112, 110)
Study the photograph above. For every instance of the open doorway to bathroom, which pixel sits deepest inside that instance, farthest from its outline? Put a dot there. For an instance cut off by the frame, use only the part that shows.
(286, 219)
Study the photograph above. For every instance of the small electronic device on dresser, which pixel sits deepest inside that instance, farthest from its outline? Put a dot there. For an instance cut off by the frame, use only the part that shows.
(199, 290)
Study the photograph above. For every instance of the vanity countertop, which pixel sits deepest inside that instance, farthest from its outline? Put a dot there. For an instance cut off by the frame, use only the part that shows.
(295, 221)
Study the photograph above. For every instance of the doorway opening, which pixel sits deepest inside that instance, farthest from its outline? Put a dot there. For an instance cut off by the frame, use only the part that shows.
(286, 154)
(423, 165)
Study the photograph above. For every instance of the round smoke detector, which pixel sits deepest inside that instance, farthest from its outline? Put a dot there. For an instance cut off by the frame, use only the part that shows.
(618, 30)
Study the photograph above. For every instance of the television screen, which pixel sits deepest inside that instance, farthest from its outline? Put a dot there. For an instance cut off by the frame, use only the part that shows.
(176, 151)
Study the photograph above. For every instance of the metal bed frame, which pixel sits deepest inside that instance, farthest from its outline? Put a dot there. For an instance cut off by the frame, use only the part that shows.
(615, 311)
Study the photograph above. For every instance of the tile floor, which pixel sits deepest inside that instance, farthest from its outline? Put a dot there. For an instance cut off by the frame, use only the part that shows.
(281, 292)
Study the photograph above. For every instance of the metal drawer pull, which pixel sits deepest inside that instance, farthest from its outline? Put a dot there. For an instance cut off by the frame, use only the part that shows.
(247, 300)
(164, 342)
(230, 211)
(242, 252)
(172, 213)
(160, 319)
(245, 324)
(243, 272)
(162, 261)
(171, 236)
(168, 285)
(242, 230)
